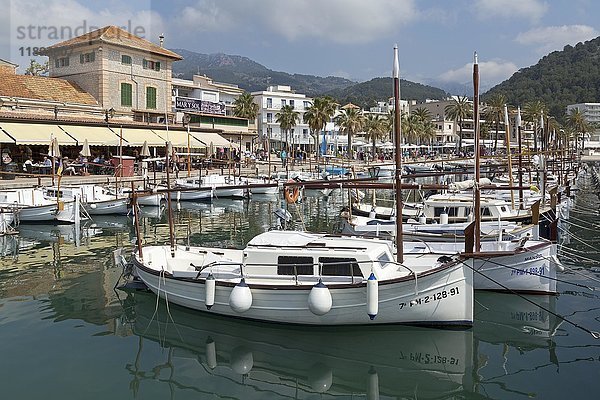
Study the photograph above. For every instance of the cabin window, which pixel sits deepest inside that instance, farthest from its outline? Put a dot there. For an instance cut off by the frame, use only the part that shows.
(485, 211)
(340, 266)
(288, 265)
(437, 211)
(384, 260)
(503, 209)
(452, 211)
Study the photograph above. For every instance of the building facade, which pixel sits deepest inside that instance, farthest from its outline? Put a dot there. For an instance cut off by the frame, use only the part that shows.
(126, 74)
(269, 103)
(591, 113)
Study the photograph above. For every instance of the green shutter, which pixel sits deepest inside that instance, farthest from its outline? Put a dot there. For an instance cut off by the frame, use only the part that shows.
(92, 56)
(81, 58)
(157, 66)
(126, 94)
(151, 97)
(145, 64)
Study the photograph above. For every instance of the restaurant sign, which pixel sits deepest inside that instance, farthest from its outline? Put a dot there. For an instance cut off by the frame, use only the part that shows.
(197, 105)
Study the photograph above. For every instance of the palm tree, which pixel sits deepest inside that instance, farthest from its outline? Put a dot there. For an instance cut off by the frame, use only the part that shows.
(494, 111)
(287, 119)
(375, 128)
(412, 127)
(427, 128)
(350, 121)
(532, 111)
(577, 122)
(245, 107)
(459, 110)
(317, 115)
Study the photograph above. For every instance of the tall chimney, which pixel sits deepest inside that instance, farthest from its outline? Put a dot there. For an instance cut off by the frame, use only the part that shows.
(161, 39)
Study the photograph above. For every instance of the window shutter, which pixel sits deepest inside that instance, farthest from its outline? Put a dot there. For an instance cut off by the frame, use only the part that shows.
(81, 58)
(150, 97)
(126, 94)
(145, 63)
(157, 66)
(56, 63)
(92, 56)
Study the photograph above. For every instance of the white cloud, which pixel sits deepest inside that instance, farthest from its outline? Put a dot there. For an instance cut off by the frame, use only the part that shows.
(338, 21)
(523, 9)
(490, 72)
(34, 26)
(552, 38)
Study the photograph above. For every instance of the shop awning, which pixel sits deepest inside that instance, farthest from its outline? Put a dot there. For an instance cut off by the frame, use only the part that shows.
(214, 138)
(136, 137)
(95, 135)
(32, 134)
(180, 138)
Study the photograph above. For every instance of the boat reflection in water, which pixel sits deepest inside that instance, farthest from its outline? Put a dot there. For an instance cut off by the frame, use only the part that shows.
(514, 337)
(242, 359)
(511, 338)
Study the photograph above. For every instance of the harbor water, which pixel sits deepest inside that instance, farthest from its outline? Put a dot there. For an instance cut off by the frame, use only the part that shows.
(67, 332)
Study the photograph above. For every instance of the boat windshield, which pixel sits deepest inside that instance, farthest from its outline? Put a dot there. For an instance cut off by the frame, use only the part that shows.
(384, 260)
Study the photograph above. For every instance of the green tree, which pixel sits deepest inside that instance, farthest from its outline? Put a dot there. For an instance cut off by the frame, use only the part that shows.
(375, 128)
(245, 107)
(317, 115)
(37, 69)
(459, 110)
(287, 118)
(532, 111)
(494, 112)
(350, 121)
(579, 125)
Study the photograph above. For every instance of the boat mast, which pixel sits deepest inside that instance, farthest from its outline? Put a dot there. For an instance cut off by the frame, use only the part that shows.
(398, 142)
(477, 205)
(509, 155)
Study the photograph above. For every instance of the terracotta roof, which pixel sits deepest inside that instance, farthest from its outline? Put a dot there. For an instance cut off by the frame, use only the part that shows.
(43, 88)
(7, 63)
(117, 36)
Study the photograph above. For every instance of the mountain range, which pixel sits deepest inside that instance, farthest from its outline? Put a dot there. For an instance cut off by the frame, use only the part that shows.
(252, 76)
(564, 77)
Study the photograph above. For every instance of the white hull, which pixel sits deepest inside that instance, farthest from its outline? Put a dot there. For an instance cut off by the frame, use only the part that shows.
(504, 268)
(107, 207)
(441, 296)
(194, 195)
(228, 192)
(153, 200)
(48, 213)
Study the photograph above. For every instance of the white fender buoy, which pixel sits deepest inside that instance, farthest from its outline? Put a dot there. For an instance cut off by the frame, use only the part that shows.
(372, 296)
(209, 294)
(373, 385)
(372, 213)
(242, 360)
(93, 206)
(240, 299)
(443, 218)
(211, 353)
(320, 378)
(422, 219)
(319, 299)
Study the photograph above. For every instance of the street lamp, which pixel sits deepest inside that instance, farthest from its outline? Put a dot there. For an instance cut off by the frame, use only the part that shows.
(110, 113)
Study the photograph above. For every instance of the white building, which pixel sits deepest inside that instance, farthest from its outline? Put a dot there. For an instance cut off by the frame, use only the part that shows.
(269, 103)
(210, 105)
(591, 113)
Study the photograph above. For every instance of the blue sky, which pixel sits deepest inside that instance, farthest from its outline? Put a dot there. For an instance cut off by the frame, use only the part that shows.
(349, 38)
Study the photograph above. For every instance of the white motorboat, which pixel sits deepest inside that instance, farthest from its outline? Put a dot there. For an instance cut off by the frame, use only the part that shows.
(524, 266)
(32, 206)
(192, 191)
(413, 230)
(313, 279)
(96, 200)
(222, 186)
(145, 197)
(260, 186)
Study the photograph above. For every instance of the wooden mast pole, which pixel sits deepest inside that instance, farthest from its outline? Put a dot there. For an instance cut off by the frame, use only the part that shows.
(398, 142)
(477, 205)
(509, 155)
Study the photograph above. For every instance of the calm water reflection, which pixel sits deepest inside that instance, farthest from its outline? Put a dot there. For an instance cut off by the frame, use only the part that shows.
(66, 333)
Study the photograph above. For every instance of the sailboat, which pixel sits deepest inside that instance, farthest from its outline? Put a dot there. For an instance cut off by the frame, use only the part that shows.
(313, 279)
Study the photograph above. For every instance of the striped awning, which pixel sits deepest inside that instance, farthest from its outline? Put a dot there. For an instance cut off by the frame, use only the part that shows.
(137, 137)
(36, 134)
(95, 135)
(180, 138)
(215, 139)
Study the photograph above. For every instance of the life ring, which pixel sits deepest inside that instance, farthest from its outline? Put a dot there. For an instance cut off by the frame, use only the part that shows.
(291, 193)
